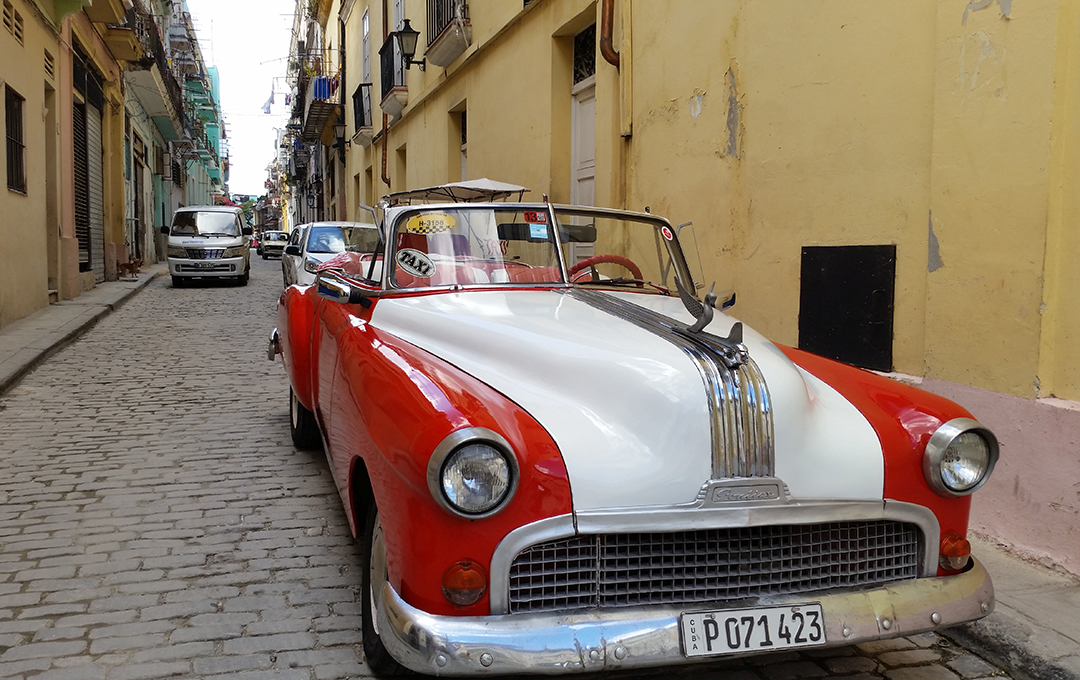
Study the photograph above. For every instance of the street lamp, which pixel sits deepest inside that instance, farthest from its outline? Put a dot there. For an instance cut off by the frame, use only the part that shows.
(407, 37)
(339, 136)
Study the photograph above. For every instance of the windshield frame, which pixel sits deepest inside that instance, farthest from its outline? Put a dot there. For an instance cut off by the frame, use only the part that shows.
(396, 216)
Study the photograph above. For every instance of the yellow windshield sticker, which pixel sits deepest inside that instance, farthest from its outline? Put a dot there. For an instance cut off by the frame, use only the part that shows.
(430, 223)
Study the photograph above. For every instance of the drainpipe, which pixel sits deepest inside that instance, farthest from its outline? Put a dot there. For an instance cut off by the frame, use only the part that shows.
(607, 14)
(385, 179)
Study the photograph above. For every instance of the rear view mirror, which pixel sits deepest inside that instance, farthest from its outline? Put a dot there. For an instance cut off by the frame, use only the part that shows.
(292, 250)
(165, 230)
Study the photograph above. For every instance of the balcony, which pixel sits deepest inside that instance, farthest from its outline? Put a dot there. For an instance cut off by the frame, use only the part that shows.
(449, 31)
(106, 12)
(155, 86)
(395, 94)
(322, 105)
(122, 42)
(362, 114)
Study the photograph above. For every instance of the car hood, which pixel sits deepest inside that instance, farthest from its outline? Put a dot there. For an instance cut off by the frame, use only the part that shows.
(206, 241)
(627, 408)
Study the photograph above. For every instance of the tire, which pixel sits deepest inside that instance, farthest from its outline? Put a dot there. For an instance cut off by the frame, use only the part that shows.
(243, 278)
(264, 256)
(178, 282)
(373, 573)
(302, 425)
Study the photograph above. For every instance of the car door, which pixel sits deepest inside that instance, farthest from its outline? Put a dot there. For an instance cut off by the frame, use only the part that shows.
(289, 263)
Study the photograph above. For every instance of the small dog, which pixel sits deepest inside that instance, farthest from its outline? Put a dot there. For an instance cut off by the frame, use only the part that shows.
(129, 269)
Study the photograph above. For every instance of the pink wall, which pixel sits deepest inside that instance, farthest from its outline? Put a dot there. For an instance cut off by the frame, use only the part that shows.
(1032, 501)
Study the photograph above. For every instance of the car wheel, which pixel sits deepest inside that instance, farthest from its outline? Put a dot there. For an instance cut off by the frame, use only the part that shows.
(243, 278)
(302, 425)
(373, 575)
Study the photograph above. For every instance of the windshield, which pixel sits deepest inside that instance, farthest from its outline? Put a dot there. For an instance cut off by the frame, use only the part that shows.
(339, 239)
(205, 224)
(482, 245)
(618, 250)
(275, 236)
(474, 245)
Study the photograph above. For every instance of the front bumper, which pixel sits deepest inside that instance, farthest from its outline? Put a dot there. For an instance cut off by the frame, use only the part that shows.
(643, 637)
(230, 266)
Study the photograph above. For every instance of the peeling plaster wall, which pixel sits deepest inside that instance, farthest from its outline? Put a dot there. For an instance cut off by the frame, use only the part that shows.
(989, 192)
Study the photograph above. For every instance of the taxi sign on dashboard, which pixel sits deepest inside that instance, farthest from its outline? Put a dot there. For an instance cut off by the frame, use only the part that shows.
(430, 223)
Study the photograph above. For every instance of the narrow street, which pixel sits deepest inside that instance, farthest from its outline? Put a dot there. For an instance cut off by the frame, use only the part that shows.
(156, 521)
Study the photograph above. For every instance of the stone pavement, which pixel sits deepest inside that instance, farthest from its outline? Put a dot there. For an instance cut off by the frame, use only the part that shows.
(173, 590)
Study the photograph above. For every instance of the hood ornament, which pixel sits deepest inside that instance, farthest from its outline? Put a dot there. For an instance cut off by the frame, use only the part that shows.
(731, 348)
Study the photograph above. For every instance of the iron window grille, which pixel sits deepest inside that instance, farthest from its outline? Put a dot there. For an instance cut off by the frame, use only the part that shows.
(362, 106)
(16, 143)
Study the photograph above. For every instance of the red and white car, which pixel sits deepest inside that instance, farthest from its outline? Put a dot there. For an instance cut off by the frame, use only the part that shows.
(560, 459)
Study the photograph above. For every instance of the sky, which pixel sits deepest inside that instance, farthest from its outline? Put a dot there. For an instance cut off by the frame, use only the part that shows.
(248, 40)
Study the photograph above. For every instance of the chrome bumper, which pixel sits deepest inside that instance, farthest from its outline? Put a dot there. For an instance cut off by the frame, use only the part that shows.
(642, 637)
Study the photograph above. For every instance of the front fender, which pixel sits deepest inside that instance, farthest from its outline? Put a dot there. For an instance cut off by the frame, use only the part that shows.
(296, 323)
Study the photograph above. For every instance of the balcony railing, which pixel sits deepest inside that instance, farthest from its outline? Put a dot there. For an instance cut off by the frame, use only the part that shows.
(148, 34)
(441, 13)
(362, 106)
(392, 68)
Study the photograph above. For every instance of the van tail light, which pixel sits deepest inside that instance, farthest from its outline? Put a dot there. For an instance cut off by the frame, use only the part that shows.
(955, 552)
(464, 583)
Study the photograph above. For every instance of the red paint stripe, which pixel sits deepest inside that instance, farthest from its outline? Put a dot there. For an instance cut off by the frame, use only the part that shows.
(904, 418)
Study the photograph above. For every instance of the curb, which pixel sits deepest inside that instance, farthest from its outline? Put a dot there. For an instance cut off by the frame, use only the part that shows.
(1005, 643)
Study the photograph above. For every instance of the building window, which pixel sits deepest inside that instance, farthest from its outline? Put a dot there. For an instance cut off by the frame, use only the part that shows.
(464, 146)
(16, 143)
(13, 21)
(585, 54)
(365, 47)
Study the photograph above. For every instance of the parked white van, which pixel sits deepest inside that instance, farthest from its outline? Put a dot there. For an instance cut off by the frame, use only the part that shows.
(208, 241)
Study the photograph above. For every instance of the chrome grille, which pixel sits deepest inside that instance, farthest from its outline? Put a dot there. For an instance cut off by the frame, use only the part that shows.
(205, 253)
(712, 565)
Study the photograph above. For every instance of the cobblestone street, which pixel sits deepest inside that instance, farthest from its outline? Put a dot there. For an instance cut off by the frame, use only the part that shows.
(156, 521)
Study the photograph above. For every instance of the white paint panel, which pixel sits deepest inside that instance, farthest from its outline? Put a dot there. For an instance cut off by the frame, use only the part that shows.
(615, 398)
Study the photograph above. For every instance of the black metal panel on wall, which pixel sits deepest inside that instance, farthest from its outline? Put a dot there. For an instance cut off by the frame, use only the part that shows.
(846, 302)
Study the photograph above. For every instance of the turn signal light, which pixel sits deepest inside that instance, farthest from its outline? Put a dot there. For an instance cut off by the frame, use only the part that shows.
(464, 583)
(955, 552)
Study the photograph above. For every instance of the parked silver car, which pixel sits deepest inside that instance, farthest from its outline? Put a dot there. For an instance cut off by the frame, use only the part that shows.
(311, 244)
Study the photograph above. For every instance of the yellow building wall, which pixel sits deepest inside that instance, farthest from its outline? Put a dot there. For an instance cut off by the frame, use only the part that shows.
(994, 95)
(948, 132)
(23, 227)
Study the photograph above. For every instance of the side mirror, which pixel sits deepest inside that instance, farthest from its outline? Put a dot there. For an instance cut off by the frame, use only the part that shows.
(292, 250)
(246, 231)
(330, 287)
(165, 230)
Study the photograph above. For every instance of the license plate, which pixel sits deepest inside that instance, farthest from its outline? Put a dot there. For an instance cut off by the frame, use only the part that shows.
(759, 629)
(205, 265)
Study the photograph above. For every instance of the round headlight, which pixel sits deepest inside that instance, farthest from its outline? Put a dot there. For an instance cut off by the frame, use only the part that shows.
(959, 457)
(473, 473)
(475, 478)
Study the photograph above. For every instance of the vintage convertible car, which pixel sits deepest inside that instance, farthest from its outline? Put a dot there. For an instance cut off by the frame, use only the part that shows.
(560, 457)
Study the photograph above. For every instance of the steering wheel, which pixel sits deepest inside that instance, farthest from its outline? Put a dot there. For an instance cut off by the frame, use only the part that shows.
(598, 259)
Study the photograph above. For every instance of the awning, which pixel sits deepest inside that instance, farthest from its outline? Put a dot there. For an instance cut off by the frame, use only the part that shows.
(483, 189)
